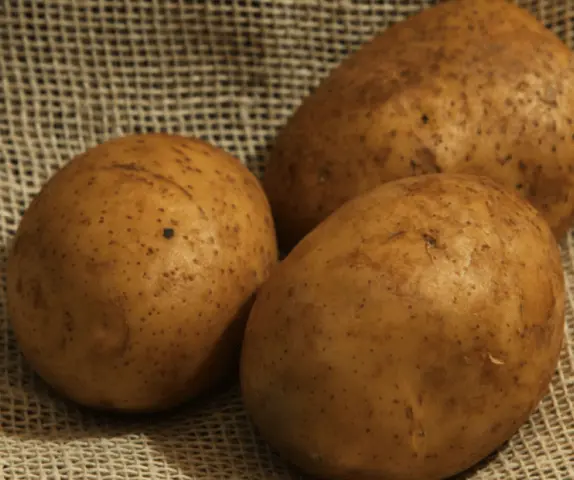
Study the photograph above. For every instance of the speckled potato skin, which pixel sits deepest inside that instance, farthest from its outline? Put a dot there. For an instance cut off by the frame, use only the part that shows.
(133, 269)
(471, 86)
(408, 335)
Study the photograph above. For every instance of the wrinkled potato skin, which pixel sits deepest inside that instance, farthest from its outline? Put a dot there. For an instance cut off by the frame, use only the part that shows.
(113, 310)
(397, 344)
(469, 86)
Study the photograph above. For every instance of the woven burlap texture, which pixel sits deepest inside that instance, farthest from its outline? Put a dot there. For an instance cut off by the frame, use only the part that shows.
(74, 73)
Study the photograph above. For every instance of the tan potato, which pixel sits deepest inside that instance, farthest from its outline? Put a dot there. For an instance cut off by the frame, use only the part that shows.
(408, 335)
(132, 271)
(471, 86)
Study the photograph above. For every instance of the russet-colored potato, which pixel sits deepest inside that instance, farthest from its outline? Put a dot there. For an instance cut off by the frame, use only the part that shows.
(410, 334)
(133, 269)
(468, 86)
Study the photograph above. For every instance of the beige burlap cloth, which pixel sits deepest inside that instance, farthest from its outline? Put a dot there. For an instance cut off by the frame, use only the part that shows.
(73, 73)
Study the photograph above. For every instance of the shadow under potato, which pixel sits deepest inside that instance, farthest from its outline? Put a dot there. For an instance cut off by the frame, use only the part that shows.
(209, 438)
(218, 441)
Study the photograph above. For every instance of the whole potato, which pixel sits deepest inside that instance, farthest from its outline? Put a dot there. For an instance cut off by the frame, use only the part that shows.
(468, 86)
(132, 271)
(408, 335)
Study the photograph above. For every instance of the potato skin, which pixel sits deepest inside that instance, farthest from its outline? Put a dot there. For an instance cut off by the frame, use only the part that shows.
(408, 335)
(132, 271)
(469, 86)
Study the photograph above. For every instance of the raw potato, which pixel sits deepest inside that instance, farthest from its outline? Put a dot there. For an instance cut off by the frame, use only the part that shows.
(471, 86)
(132, 271)
(408, 335)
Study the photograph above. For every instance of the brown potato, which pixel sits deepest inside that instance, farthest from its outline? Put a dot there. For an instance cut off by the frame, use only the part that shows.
(471, 86)
(132, 270)
(408, 335)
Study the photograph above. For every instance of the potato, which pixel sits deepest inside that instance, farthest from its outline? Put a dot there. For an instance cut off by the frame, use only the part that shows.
(408, 335)
(132, 271)
(469, 86)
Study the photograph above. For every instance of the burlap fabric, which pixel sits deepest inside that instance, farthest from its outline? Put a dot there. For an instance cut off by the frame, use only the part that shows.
(73, 73)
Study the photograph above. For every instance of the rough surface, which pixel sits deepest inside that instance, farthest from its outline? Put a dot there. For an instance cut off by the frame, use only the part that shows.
(73, 74)
(137, 262)
(472, 86)
(396, 341)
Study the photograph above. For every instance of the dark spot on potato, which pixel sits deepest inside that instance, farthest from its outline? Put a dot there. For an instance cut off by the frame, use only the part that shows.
(425, 118)
(180, 152)
(168, 233)
(409, 413)
(68, 322)
(323, 174)
(382, 156)
(429, 240)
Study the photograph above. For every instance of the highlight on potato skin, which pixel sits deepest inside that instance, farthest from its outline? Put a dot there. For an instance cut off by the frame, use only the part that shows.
(408, 335)
(133, 270)
(468, 86)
